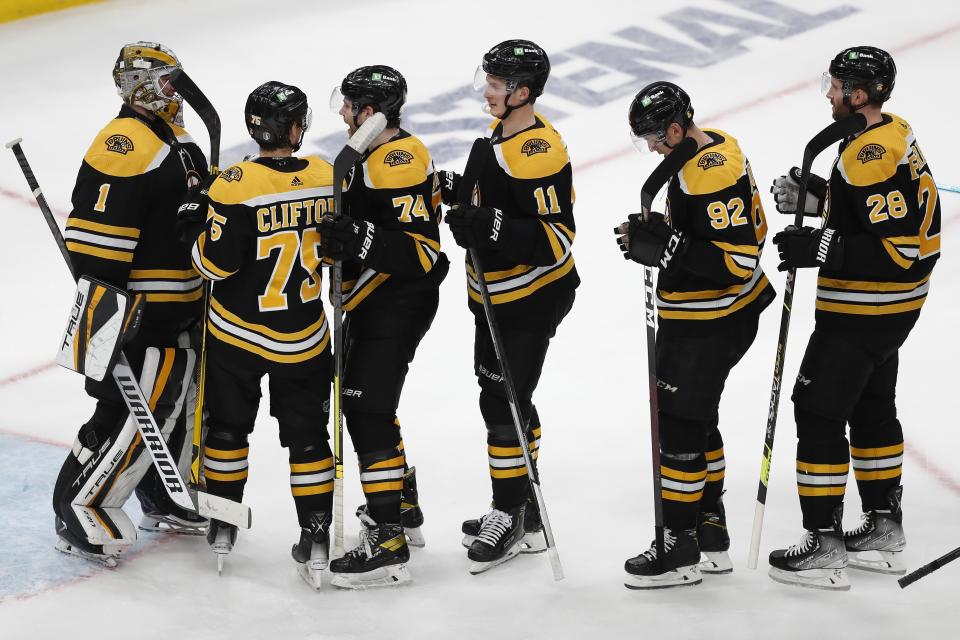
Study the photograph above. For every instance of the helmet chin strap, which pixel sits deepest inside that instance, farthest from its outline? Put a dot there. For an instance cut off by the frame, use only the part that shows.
(671, 146)
(508, 109)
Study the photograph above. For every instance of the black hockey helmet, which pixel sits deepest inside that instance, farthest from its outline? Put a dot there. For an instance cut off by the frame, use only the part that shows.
(379, 86)
(271, 110)
(867, 68)
(519, 62)
(654, 108)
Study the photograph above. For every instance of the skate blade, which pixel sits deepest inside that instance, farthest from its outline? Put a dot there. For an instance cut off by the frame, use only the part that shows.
(157, 525)
(312, 573)
(477, 567)
(681, 577)
(393, 575)
(887, 562)
(415, 537)
(828, 579)
(104, 560)
(533, 542)
(716, 563)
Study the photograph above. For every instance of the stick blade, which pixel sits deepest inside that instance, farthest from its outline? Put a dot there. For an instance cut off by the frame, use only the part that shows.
(667, 168)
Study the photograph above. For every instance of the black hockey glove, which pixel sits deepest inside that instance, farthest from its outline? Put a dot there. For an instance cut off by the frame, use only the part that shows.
(801, 247)
(786, 190)
(192, 214)
(478, 227)
(653, 242)
(345, 238)
(449, 186)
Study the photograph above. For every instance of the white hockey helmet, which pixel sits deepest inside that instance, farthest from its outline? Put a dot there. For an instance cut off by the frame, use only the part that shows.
(140, 75)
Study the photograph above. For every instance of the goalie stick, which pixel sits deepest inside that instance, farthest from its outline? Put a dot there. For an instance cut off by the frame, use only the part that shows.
(208, 506)
(342, 164)
(834, 132)
(477, 159)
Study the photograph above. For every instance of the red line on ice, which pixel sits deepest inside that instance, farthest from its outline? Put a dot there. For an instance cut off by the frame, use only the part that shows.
(29, 373)
(16, 195)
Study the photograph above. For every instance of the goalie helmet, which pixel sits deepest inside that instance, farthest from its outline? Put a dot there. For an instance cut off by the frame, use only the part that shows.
(379, 86)
(272, 108)
(140, 74)
(519, 62)
(867, 68)
(654, 109)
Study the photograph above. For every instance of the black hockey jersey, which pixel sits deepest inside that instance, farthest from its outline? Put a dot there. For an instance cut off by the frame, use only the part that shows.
(122, 226)
(714, 201)
(395, 187)
(883, 202)
(528, 176)
(261, 248)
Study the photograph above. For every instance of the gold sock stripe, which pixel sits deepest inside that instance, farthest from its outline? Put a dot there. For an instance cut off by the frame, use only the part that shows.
(813, 492)
(877, 452)
(307, 467)
(682, 476)
(397, 461)
(378, 487)
(716, 476)
(881, 474)
(716, 454)
(311, 490)
(223, 454)
(502, 474)
(676, 496)
(225, 477)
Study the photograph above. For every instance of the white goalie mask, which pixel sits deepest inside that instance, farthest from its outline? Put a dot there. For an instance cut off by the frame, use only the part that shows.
(140, 74)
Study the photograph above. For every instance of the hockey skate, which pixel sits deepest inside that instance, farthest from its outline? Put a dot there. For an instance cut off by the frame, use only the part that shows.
(878, 543)
(380, 560)
(70, 544)
(499, 539)
(312, 553)
(411, 517)
(818, 561)
(534, 539)
(222, 537)
(188, 524)
(714, 541)
(679, 568)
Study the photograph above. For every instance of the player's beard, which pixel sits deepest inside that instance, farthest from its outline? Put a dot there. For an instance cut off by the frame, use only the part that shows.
(841, 111)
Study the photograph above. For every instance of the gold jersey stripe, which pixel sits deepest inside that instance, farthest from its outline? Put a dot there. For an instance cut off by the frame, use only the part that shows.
(162, 274)
(304, 467)
(862, 285)
(368, 288)
(433, 244)
(269, 355)
(190, 296)
(871, 310)
(898, 259)
(109, 254)
(205, 261)
(224, 454)
(126, 232)
(747, 249)
(493, 276)
(531, 288)
(877, 452)
(720, 313)
(265, 330)
(555, 246)
(735, 268)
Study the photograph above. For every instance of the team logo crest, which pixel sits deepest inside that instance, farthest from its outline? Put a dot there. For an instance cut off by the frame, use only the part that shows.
(233, 174)
(119, 144)
(711, 160)
(398, 157)
(534, 146)
(871, 152)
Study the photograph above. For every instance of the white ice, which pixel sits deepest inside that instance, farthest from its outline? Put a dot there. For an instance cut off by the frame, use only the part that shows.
(57, 93)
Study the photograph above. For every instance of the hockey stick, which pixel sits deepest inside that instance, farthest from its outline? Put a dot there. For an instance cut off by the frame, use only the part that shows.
(471, 175)
(342, 164)
(928, 568)
(835, 132)
(209, 506)
(947, 187)
(192, 95)
(667, 168)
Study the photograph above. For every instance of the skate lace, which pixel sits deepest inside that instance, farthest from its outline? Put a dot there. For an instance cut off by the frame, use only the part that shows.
(866, 524)
(669, 540)
(805, 544)
(493, 527)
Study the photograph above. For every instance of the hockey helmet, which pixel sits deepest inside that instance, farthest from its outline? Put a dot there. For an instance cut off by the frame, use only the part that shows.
(140, 74)
(379, 86)
(863, 67)
(272, 108)
(654, 109)
(518, 62)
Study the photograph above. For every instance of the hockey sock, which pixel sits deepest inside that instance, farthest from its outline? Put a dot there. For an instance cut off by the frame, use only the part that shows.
(381, 474)
(682, 478)
(311, 480)
(716, 470)
(400, 449)
(533, 434)
(823, 461)
(225, 463)
(508, 471)
(877, 454)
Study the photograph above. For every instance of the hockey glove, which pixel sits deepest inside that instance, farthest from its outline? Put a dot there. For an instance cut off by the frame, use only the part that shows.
(192, 214)
(653, 242)
(345, 238)
(478, 227)
(449, 186)
(786, 190)
(801, 247)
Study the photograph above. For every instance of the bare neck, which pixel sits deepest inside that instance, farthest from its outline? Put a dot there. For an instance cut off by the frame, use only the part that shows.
(285, 152)
(384, 136)
(519, 119)
(698, 134)
(872, 113)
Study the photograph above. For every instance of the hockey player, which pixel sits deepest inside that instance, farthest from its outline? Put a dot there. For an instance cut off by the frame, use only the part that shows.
(710, 293)
(261, 248)
(389, 241)
(876, 251)
(521, 224)
(121, 231)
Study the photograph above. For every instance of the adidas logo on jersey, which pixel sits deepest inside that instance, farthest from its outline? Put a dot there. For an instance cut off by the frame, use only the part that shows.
(296, 182)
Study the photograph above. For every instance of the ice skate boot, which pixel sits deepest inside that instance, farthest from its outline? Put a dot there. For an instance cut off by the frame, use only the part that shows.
(714, 541)
(312, 553)
(221, 537)
(73, 545)
(499, 539)
(818, 561)
(380, 560)
(679, 568)
(534, 540)
(411, 517)
(878, 543)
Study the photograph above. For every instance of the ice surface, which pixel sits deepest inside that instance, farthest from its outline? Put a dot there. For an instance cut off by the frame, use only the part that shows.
(57, 93)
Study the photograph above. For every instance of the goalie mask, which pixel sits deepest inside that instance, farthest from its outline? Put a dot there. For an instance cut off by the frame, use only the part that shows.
(141, 72)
